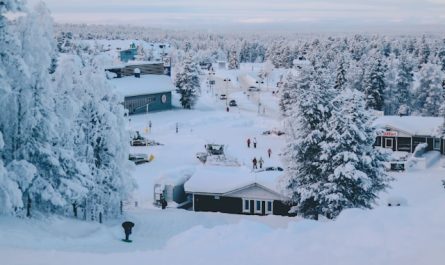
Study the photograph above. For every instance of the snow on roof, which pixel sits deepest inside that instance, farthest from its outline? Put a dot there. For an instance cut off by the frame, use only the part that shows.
(413, 125)
(176, 176)
(220, 179)
(132, 63)
(146, 84)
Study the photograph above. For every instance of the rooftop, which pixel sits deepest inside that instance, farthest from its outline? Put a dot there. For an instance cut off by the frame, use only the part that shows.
(146, 84)
(413, 125)
(220, 179)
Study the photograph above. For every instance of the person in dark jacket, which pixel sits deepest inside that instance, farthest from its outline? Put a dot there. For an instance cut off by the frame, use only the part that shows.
(254, 163)
(248, 142)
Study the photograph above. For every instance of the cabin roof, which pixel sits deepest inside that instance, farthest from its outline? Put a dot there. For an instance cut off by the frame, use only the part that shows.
(413, 125)
(221, 180)
(146, 84)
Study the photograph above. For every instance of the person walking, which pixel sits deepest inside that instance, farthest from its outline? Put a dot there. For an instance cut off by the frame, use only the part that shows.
(261, 161)
(248, 142)
(269, 152)
(254, 163)
(254, 142)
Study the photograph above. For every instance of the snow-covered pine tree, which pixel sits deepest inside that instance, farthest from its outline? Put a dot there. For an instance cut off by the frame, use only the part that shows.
(11, 184)
(340, 81)
(428, 90)
(13, 72)
(13, 76)
(390, 95)
(187, 82)
(233, 60)
(441, 54)
(404, 82)
(98, 129)
(374, 84)
(354, 168)
(424, 52)
(39, 138)
(306, 132)
(289, 94)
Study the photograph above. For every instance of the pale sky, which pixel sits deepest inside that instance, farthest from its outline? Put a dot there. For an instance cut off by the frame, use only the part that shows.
(285, 14)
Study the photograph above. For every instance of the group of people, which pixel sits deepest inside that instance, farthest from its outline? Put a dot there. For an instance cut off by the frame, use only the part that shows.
(249, 142)
(257, 162)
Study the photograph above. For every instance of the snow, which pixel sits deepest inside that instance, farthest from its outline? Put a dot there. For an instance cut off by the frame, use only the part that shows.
(176, 176)
(408, 235)
(413, 125)
(146, 84)
(220, 180)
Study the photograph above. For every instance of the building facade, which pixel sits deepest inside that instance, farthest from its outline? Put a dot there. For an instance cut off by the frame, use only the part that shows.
(253, 199)
(144, 93)
(406, 132)
(148, 102)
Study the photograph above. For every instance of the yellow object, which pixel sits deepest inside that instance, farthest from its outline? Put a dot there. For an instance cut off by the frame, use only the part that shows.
(146, 130)
(151, 158)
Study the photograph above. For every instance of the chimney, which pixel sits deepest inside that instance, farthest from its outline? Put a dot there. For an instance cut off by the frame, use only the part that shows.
(137, 73)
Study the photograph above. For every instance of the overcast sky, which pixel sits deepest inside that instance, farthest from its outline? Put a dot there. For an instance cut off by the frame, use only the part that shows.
(286, 14)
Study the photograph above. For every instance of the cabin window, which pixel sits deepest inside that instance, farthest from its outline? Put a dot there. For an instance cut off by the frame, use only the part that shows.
(269, 207)
(404, 144)
(436, 144)
(378, 141)
(246, 206)
(258, 206)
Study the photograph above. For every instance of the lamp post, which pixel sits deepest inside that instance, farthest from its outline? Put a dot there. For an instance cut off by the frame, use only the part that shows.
(211, 80)
(226, 81)
(259, 98)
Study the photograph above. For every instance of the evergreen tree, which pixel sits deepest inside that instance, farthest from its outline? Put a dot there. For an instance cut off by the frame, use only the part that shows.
(441, 54)
(374, 85)
(233, 61)
(404, 82)
(340, 81)
(289, 94)
(354, 168)
(187, 82)
(306, 132)
(424, 52)
(429, 91)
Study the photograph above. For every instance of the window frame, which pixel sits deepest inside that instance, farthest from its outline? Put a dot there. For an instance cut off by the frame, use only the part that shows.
(267, 211)
(260, 211)
(244, 204)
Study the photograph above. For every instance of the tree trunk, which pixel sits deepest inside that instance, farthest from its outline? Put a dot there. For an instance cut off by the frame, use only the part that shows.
(75, 209)
(28, 207)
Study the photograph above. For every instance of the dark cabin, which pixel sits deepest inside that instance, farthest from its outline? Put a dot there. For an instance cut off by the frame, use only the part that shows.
(404, 133)
(236, 191)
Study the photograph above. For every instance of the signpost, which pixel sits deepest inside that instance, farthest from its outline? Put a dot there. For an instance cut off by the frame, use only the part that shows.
(390, 134)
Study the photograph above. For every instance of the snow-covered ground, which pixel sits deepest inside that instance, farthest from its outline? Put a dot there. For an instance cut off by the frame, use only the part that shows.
(409, 234)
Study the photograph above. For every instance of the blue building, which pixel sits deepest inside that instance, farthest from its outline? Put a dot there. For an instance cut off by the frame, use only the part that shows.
(145, 93)
(130, 54)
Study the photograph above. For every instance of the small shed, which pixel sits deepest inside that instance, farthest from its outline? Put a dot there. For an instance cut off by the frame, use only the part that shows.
(170, 186)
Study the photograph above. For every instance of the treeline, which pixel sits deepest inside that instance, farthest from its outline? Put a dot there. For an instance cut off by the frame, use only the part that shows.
(63, 147)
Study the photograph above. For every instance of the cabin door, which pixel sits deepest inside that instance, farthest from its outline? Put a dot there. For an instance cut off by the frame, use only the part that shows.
(389, 143)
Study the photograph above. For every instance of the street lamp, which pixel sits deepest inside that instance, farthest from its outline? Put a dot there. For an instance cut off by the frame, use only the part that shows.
(226, 81)
(211, 80)
(259, 96)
